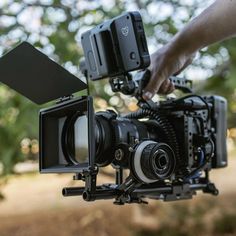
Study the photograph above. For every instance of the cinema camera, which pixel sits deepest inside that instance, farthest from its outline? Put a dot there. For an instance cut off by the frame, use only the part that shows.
(168, 148)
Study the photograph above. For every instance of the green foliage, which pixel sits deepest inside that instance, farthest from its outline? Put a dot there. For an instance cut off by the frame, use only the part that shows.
(18, 119)
(55, 26)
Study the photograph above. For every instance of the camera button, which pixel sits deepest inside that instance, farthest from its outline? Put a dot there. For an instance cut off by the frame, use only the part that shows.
(132, 55)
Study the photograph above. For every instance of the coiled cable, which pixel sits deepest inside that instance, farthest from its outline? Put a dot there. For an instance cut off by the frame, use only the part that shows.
(168, 131)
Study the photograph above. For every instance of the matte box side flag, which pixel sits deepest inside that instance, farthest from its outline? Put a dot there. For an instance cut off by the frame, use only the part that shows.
(35, 76)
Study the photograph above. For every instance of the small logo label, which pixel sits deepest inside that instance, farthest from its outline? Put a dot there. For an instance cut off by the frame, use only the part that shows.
(125, 31)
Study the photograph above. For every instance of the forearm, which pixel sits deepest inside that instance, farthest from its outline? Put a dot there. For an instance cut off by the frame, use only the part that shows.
(216, 23)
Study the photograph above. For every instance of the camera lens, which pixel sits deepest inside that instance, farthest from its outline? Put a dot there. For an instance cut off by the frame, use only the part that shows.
(81, 139)
(75, 139)
(153, 161)
(160, 160)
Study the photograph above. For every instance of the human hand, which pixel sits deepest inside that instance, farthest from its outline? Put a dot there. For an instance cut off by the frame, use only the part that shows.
(165, 62)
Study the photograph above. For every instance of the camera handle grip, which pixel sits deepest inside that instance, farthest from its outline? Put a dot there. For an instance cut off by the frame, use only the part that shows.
(142, 78)
(182, 84)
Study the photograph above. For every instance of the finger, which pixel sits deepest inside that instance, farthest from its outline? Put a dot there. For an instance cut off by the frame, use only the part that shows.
(152, 87)
(167, 87)
(164, 86)
(170, 89)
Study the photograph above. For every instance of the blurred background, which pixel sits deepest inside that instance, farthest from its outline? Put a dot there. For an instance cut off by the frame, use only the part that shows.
(32, 204)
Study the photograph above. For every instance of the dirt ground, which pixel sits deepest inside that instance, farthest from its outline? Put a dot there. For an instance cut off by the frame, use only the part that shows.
(34, 206)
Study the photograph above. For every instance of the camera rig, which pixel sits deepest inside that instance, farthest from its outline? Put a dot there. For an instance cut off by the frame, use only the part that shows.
(168, 147)
(129, 190)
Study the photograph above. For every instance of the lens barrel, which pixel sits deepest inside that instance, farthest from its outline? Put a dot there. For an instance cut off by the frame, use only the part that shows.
(152, 160)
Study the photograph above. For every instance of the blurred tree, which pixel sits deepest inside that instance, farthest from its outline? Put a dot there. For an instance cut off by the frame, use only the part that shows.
(18, 120)
(55, 26)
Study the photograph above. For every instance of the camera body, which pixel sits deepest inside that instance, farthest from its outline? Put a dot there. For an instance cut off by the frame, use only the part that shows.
(168, 147)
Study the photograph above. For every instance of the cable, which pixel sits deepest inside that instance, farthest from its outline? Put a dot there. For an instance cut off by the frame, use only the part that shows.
(168, 130)
(199, 97)
(203, 164)
(198, 173)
